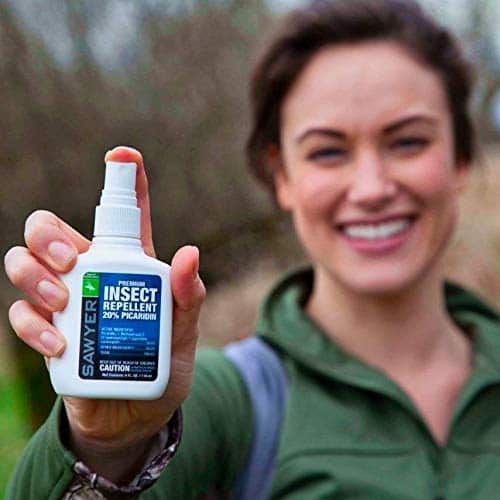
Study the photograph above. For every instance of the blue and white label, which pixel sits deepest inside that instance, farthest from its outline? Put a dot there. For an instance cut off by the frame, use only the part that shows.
(120, 326)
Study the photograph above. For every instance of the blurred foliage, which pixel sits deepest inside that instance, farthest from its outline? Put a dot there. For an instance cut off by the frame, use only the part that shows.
(15, 426)
(176, 89)
(181, 101)
(480, 32)
(169, 78)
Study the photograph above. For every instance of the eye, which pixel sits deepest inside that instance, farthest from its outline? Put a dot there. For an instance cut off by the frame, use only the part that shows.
(327, 153)
(410, 144)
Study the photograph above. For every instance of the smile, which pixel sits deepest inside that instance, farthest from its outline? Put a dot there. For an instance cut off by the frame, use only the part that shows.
(382, 230)
(378, 238)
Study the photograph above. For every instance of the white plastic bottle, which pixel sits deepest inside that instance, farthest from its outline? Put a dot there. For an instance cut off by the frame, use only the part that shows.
(117, 323)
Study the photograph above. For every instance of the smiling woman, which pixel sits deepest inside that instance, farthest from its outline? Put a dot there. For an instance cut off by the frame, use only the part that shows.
(371, 177)
(361, 132)
(366, 140)
(367, 167)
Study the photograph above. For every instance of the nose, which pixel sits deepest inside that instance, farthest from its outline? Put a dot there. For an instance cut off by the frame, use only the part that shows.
(371, 185)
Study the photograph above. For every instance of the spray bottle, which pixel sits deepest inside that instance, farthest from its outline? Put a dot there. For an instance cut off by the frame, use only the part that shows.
(117, 323)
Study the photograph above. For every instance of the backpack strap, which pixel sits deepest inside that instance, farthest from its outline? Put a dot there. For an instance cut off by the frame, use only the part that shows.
(264, 375)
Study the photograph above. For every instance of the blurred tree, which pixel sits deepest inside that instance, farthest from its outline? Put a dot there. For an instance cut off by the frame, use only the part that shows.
(180, 99)
(476, 23)
(482, 33)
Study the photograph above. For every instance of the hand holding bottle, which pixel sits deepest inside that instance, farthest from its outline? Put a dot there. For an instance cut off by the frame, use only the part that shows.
(102, 425)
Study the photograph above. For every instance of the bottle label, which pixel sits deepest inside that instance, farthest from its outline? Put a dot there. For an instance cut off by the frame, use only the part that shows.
(120, 326)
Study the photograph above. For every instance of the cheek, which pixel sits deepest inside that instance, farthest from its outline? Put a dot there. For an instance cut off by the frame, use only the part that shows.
(433, 181)
(316, 194)
(434, 184)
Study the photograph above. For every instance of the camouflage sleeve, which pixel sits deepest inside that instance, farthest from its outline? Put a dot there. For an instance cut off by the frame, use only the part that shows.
(88, 485)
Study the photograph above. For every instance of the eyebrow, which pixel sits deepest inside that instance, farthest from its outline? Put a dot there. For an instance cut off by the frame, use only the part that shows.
(409, 121)
(329, 132)
(393, 127)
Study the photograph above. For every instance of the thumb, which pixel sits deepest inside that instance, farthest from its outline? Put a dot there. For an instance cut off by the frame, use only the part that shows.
(130, 155)
(188, 293)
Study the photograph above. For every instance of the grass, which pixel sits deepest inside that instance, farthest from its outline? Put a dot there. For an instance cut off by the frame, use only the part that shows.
(14, 425)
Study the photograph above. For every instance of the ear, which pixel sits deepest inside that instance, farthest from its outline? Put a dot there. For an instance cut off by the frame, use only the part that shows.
(280, 176)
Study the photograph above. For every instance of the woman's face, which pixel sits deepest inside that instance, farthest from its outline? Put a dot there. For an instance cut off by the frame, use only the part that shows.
(367, 166)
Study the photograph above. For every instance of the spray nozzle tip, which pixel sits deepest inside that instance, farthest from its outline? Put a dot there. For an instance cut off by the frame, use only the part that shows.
(120, 175)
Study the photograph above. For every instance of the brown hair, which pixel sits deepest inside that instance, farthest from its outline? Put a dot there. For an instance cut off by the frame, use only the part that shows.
(328, 22)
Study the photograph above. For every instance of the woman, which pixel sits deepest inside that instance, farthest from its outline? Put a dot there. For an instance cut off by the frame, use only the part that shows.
(361, 131)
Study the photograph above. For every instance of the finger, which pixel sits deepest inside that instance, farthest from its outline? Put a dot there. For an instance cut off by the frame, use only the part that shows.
(31, 327)
(188, 294)
(126, 154)
(35, 280)
(53, 241)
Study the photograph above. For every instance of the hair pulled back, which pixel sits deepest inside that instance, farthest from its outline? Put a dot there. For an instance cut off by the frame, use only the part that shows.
(330, 22)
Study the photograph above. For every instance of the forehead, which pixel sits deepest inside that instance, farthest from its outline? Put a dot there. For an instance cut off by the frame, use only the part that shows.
(361, 86)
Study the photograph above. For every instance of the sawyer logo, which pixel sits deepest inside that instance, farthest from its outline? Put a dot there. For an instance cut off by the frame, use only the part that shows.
(89, 336)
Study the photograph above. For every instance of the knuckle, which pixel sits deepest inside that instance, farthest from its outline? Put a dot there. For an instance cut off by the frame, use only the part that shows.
(27, 327)
(194, 301)
(12, 256)
(13, 309)
(201, 293)
(16, 265)
(36, 222)
(20, 319)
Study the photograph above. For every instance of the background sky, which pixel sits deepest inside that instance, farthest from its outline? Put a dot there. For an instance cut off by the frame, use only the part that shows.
(115, 30)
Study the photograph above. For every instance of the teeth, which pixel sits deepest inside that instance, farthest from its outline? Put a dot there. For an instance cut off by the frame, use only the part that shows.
(374, 231)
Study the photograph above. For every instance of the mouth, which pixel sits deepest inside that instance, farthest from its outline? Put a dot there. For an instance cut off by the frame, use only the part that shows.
(377, 230)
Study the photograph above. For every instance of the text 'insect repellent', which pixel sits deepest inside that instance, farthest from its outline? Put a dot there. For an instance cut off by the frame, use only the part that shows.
(118, 320)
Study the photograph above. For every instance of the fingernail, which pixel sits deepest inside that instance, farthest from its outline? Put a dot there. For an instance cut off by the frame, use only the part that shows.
(61, 253)
(51, 293)
(51, 342)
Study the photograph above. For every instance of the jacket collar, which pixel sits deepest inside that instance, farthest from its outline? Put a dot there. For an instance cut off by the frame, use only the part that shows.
(284, 324)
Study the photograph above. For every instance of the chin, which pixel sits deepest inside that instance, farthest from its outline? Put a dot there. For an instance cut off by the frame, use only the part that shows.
(376, 284)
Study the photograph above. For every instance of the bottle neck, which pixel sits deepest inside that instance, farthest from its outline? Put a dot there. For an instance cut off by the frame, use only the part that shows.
(123, 242)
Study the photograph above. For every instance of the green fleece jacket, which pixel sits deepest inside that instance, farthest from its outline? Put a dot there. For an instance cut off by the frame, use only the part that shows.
(348, 433)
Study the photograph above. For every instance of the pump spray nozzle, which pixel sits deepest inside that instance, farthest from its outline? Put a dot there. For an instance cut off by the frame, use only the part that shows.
(118, 214)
